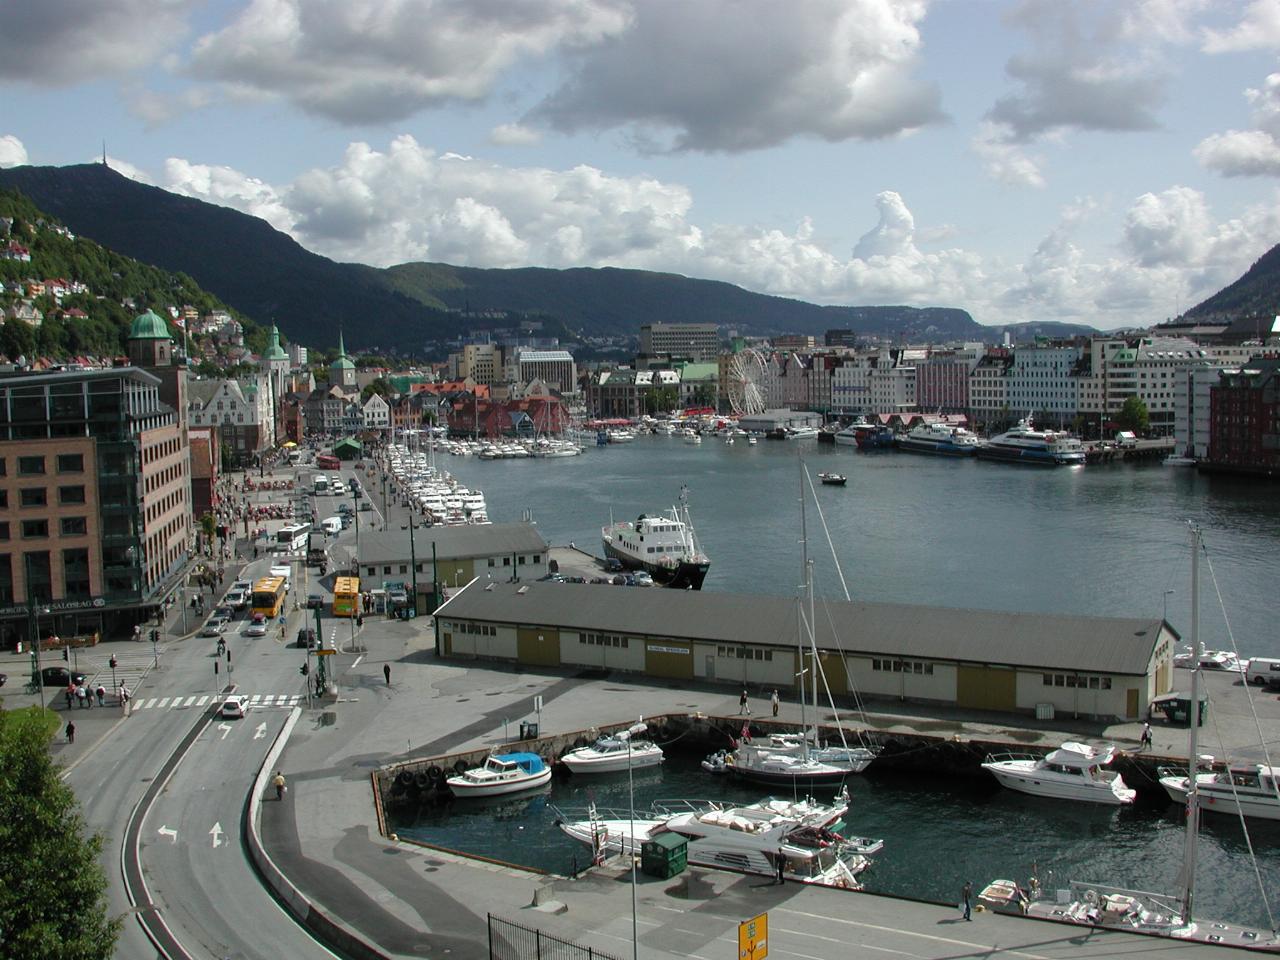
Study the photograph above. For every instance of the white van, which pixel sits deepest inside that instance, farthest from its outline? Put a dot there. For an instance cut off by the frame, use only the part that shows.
(1263, 670)
(332, 526)
(283, 570)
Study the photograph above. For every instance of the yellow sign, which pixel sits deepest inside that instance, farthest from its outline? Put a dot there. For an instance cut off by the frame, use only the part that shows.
(324, 653)
(753, 938)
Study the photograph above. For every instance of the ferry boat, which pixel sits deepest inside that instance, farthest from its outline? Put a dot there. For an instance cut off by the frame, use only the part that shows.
(940, 439)
(1025, 444)
(612, 755)
(502, 773)
(1072, 772)
(665, 546)
(748, 839)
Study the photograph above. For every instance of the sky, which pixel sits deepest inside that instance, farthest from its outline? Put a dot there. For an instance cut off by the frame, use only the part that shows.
(1108, 163)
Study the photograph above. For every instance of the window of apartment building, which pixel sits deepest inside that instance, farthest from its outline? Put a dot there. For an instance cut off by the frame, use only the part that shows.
(71, 463)
(75, 573)
(30, 466)
(4, 499)
(35, 528)
(71, 494)
(39, 580)
(6, 579)
(4, 468)
(35, 497)
(74, 526)
(4, 529)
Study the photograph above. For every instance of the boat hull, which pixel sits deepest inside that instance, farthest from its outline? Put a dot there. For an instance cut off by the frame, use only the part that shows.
(936, 449)
(1260, 807)
(683, 575)
(462, 787)
(1028, 782)
(1036, 458)
(611, 763)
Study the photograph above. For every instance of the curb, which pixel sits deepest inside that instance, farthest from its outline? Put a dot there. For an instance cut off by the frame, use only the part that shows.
(326, 928)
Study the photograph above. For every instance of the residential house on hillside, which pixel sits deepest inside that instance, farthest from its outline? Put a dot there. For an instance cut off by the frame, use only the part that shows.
(25, 311)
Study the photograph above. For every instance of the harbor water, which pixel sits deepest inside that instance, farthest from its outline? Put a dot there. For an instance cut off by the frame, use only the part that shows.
(1109, 540)
(1105, 540)
(937, 834)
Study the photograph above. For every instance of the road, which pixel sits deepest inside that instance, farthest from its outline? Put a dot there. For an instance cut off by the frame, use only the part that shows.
(199, 882)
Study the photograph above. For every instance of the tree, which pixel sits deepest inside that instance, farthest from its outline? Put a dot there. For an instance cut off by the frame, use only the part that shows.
(52, 889)
(1133, 416)
(378, 386)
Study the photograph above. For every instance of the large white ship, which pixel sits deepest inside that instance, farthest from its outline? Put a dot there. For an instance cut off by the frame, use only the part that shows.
(1025, 444)
(665, 546)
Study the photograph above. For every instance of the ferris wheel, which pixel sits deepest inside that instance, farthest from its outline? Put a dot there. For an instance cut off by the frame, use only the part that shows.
(745, 384)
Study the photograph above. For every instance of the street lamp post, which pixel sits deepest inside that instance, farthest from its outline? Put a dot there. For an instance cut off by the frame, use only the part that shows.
(34, 630)
(631, 791)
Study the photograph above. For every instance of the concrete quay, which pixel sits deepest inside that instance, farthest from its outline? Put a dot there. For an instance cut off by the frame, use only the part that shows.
(388, 898)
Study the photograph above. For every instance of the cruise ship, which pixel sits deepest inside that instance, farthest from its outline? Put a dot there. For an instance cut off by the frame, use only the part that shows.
(940, 439)
(1025, 444)
(664, 545)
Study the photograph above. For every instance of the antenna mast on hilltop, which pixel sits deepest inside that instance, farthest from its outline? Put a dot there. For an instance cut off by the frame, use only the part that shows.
(104, 152)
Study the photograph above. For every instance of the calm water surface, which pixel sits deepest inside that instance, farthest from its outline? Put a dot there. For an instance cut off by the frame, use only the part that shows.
(1107, 540)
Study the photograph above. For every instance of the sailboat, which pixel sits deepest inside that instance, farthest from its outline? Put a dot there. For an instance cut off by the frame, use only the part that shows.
(796, 759)
(1097, 905)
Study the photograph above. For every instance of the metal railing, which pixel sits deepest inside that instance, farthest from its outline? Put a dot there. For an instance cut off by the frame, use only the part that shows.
(513, 941)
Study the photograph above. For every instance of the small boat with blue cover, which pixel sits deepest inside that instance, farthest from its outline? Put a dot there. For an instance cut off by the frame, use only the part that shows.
(502, 773)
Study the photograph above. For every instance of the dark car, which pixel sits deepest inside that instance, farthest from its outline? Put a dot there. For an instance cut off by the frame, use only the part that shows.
(60, 677)
(612, 564)
(4, 678)
(306, 638)
(314, 601)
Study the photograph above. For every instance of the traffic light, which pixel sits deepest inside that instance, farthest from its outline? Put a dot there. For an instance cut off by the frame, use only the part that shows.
(304, 669)
(113, 662)
(155, 636)
(65, 654)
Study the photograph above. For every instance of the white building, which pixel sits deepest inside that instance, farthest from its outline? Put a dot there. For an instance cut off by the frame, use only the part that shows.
(553, 367)
(1191, 407)
(1043, 382)
(988, 393)
(377, 413)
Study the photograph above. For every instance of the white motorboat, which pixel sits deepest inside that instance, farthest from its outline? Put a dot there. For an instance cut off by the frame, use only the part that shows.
(502, 773)
(664, 546)
(1072, 772)
(941, 439)
(1253, 791)
(746, 839)
(1210, 660)
(1025, 444)
(613, 754)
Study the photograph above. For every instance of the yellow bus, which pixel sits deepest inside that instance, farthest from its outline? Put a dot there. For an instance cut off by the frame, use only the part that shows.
(346, 596)
(268, 596)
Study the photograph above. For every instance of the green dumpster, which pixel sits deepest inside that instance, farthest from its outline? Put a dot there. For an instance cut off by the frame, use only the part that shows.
(1176, 708)
(664, 856)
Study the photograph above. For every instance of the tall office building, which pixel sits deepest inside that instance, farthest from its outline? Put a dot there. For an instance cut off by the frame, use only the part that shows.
(698, 342)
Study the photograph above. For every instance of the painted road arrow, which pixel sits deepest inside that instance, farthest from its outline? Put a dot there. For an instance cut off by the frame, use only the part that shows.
(168, 832)
(216, 832)
(260, 732)
(225, 728)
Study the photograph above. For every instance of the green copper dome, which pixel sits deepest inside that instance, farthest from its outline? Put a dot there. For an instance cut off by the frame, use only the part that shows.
(343, 362)
(274, 351)
(149, 326)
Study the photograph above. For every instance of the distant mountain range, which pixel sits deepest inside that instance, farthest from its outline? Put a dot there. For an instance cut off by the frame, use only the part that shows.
(268, 276)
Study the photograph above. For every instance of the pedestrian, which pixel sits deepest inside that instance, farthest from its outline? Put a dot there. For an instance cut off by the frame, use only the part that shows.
(102, 695)
(71, 732)
(137, 632)
(775, 702)
(386, 672)
(1146, 737)
(124, 695)
(278, 782)
(69, 693)
(782, 866)
(80, 697)
(743, 706)
(88, 696)
(966, 896)
(360, 620)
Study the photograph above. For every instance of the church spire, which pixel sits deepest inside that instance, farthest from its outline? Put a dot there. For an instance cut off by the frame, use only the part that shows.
(342, 351)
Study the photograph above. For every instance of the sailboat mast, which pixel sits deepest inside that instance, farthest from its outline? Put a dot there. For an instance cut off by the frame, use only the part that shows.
(1193, 788)
(807, 584)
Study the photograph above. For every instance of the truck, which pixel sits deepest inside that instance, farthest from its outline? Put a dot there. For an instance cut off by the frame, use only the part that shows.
(1126, 439)
(315, 551)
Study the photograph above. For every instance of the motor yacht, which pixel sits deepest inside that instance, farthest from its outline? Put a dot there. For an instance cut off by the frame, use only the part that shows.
(1072, 772)
(501, 774)
(612, 754)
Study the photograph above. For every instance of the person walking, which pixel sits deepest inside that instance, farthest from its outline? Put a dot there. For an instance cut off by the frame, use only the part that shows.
(775, 702)
(69, 693)
(102, 695)
(278, 782)
(743, 706)
(80, 697)
(1146, 737)
(71, 732)
(386, 673)
(966, 897)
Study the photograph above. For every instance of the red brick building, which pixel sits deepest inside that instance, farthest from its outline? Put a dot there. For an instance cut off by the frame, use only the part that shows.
(1244, 420)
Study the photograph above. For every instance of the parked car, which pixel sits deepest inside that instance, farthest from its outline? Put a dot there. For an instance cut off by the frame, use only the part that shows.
(4, 678)
(612, 564)
(233, 708)
(60, 677)
(643, 579)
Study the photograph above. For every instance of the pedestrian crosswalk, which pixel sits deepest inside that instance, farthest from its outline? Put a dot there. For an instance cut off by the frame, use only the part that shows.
(196, 701)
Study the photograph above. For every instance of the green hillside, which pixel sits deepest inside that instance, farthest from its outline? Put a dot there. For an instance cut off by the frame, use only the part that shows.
(1253, 295)
(112, 280)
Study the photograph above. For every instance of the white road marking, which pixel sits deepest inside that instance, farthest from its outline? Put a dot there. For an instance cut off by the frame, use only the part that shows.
(168, 832)
(967, 944)
(190, 700)
(225, 728)
(160, 705)
(203, 700)
(216, 832)
(261, 732)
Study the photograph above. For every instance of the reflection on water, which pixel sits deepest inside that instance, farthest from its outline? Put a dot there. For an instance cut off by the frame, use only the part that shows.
(1106, 540)
(937, 835)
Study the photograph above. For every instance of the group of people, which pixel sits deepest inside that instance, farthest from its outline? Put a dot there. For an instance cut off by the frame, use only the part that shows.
(744, 704)
(81, 694)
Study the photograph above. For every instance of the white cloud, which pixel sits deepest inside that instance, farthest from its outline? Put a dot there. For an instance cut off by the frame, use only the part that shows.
(62, 42)
(732, 75)
(228, 187)
(368, 61)
(1248, 153)
(514, 135)
(1089, 68)
(1004, 161)
(1257, 29)
(12, 152)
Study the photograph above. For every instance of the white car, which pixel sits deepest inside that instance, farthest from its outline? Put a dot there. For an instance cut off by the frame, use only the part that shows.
(236, 598)
(257, 627)
(233, 708)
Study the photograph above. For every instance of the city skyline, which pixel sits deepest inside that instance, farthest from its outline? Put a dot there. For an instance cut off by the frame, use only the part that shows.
(1107, 164)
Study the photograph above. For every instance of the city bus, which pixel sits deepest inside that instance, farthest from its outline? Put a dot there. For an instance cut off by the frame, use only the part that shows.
(268, 596)
(346, 596)
(327, 461)
(292, 537)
